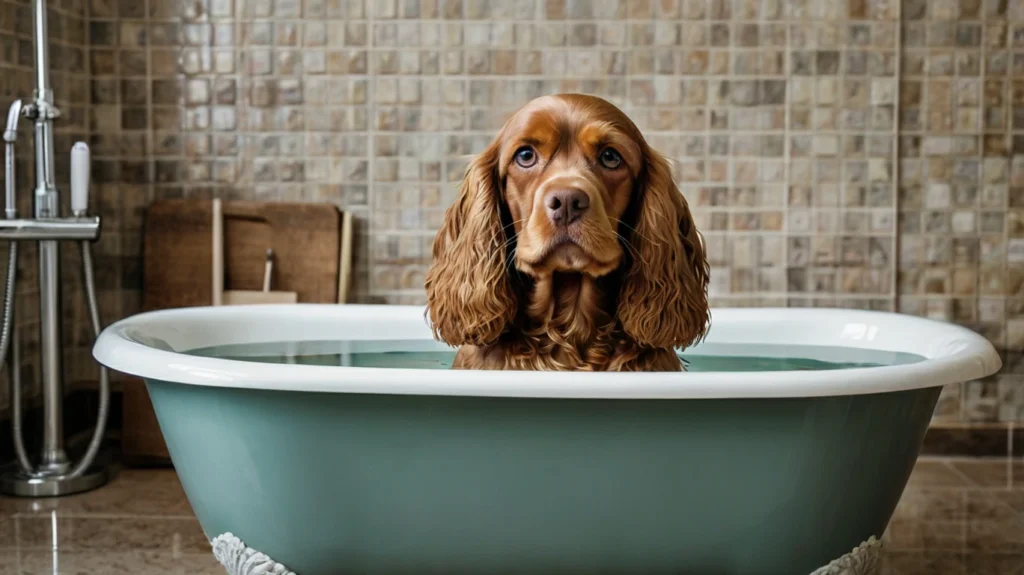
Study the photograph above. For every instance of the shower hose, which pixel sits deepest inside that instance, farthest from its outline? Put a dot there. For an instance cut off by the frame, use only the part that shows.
(6, 337)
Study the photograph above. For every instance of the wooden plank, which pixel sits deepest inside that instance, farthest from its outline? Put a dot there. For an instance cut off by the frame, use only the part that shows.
(345, 265)
(178, 250)
(252, 297)
(177, 255)
(217, 237)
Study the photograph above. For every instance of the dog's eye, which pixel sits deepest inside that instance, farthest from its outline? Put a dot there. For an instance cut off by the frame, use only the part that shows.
(610, 159)
(526, 157)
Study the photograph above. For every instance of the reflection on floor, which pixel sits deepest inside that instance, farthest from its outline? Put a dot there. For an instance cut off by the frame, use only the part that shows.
(957, 517)
(139, 524)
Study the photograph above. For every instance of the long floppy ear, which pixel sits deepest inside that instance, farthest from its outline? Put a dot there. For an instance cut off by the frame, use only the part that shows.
(470, 299)
(663, 301)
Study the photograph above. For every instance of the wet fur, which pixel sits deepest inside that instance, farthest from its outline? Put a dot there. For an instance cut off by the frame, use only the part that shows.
(631, 319)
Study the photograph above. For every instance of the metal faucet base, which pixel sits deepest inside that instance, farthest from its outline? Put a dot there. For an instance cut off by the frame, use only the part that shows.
(13, 481)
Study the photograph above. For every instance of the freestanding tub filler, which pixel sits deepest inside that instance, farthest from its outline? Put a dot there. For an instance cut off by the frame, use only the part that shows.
(328, 464)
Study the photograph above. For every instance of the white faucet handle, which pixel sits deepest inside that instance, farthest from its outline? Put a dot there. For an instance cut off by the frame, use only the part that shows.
(79, 178)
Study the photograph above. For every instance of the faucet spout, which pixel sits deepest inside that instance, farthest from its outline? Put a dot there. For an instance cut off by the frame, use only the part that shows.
(13, 115)
(10, 136)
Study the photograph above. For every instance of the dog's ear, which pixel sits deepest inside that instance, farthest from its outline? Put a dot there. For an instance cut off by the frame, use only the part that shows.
(470, 298)
(663, 301)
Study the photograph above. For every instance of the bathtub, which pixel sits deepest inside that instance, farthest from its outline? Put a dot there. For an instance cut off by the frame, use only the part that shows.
(323, 470)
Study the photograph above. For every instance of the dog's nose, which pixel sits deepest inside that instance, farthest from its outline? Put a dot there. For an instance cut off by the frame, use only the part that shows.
(566, 206)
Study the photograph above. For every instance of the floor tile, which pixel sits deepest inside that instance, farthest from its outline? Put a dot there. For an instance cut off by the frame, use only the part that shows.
(929, 503)
(989, 536)
(111, 533)
(985, 472)
(132, 492)
(904, 535)
(923, 563)
(931, 472)
(956, 517)
(107, 563)
(999, 564)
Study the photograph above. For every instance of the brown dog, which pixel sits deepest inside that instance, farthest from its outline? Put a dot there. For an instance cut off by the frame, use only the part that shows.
(569, 248)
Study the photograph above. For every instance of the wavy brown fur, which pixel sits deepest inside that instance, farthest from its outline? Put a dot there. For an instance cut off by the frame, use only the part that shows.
(663, 302)
(506, 312)
(471, 297)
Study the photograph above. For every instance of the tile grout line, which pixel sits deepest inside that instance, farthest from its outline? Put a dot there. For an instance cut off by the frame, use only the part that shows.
(787, 158)
(982, 78)
(147, 7)
(371, 138)
(1008, 137)
(896, 154)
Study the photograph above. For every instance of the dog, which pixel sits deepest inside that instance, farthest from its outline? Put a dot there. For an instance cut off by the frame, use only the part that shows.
(569, 247)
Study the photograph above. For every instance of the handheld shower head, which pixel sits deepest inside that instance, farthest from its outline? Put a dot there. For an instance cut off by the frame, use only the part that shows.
(79, 179)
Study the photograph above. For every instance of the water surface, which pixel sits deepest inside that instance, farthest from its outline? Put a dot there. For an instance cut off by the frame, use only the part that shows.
(420, 354)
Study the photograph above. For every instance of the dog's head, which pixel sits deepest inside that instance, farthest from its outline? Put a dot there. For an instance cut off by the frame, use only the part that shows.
(569, 185)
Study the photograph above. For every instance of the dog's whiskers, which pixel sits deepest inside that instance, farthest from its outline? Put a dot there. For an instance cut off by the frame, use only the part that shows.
(501, 230)
(635, 253)
(635, 231)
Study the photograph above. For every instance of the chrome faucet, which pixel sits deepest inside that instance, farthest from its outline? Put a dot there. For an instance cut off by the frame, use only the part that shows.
(54, 473)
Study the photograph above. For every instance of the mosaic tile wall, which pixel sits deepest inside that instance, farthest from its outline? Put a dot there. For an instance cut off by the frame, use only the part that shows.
(854, 153)
(68, 26)
(961, 203)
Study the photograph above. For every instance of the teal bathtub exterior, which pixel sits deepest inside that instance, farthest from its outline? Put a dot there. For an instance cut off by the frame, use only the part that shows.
(362, 484)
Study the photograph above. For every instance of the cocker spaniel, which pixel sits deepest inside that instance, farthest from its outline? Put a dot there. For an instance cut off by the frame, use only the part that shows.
(568, 248)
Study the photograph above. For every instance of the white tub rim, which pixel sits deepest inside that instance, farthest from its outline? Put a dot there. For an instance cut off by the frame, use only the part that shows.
(952, 354)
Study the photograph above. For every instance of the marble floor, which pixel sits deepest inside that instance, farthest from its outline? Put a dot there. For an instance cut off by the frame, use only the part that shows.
(957, 517)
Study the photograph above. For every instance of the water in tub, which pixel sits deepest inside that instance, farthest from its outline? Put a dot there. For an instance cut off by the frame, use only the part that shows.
(420, 354)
